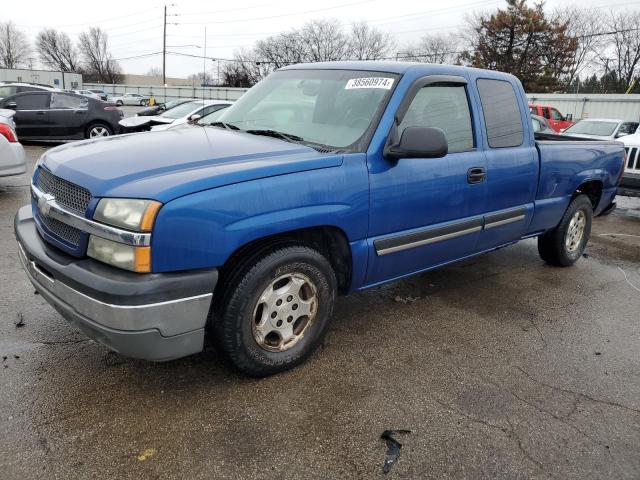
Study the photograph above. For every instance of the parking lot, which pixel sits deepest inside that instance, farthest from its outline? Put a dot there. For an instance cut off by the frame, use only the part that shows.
(501, 367)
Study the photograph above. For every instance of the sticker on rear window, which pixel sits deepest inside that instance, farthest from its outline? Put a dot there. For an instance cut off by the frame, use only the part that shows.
(369, 82)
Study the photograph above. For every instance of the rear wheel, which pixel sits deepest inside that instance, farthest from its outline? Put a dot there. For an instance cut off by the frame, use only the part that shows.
(119, 103)
(565, 244)
(97, 130)
(275, 310)
(144, 103)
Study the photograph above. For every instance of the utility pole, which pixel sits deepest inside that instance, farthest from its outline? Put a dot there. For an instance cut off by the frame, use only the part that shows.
(164, 48)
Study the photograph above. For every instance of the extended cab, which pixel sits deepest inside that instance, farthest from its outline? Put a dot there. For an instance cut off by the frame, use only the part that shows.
(555, 119)
(323, 179)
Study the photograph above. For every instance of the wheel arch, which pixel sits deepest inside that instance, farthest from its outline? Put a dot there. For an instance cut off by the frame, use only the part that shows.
(591, 188)
(331, 241)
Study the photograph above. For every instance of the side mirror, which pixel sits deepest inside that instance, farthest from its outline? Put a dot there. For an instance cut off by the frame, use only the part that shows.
(11, 105)
(418, 142)
(194, 118)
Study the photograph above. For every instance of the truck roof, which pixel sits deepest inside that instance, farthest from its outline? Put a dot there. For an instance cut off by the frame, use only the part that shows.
(398, 68)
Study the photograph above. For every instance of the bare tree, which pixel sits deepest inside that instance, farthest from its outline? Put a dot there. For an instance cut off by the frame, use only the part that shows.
(368, 43)
(281, 50)
(15, 49)
(98, 62)
(433, 48)
(324, 40)
(154, 72)
(622, 56)
(56, 50)
(587, 27)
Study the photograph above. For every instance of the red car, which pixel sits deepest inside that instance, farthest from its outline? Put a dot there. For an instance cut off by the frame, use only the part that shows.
(555, 119)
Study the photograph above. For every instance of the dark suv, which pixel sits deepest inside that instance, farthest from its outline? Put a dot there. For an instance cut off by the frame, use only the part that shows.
(42, 115)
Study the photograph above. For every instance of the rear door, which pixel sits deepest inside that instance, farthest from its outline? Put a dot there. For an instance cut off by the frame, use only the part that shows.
(68, 115)
(512, 163)
(32, 114)
(427, 211)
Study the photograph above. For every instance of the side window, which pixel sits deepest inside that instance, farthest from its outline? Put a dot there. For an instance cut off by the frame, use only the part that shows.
(546, 114)
(628, 128)
(501, 113)
(211, 109)
(33, 101)
(555, 114)
(446, 107)
(62, 101)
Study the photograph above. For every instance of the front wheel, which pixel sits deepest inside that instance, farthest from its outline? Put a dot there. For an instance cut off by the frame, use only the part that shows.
(275, 310)
(144, 103)
(119, 103)
(565, 244)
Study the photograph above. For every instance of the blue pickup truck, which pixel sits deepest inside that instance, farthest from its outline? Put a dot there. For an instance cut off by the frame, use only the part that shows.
(321, 180)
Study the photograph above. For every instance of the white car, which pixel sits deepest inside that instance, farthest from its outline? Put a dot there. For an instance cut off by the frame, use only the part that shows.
(186, 112)
(601, 128)
(12, 157)
(130, 99)
(87, 93)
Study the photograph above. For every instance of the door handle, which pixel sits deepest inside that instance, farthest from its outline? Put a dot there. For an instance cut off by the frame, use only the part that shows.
(39, 113)
(476, 175)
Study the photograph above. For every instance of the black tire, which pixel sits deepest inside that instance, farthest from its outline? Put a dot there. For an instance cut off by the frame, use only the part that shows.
(233, 317)
(552, 246)
(144, 103)
(119, 103)
(108, 131)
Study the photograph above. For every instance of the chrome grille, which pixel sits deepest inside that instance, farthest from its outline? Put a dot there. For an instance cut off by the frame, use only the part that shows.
(633, 159)
(66, 232)
(67, 194)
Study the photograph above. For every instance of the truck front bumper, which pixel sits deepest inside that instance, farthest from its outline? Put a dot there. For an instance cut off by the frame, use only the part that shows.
(630, 185)
(156, 316)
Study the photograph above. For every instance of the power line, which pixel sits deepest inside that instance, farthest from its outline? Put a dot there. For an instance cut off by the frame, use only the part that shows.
(278, 16)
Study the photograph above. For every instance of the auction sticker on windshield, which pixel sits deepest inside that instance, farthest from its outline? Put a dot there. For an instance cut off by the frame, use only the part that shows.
(369, 82)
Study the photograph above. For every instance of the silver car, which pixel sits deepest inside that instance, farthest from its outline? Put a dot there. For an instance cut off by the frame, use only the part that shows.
(12, 157)
(130, 99)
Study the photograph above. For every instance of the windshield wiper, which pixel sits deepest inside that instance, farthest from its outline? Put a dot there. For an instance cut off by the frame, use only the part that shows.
(228, 126)
(276, 134)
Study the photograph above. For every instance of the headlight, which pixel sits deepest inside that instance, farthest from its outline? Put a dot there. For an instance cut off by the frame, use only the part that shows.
(130, 214)
(136, 259)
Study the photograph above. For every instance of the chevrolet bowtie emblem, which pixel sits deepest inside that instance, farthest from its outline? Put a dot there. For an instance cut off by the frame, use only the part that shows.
(43, 204)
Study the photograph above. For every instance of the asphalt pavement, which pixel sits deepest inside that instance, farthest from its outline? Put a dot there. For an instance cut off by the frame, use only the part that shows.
(501, 367)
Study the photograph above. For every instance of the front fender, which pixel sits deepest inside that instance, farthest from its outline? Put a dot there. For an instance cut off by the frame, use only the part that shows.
(203, 229)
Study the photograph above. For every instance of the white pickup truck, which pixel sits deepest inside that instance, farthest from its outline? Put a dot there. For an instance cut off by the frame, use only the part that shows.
(630, 184)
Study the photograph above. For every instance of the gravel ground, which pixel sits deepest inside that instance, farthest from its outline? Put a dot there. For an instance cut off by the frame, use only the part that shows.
(502, 367)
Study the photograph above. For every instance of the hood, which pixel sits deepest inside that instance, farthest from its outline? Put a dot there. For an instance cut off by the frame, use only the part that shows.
(172, 163)
(632, 140)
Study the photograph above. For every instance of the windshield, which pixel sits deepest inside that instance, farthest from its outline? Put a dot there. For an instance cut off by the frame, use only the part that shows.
(587, 127)
(182, 110)
(332, 108)
(174, 103)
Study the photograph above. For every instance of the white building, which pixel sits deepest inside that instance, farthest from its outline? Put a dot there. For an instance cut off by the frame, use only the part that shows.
(45, 77)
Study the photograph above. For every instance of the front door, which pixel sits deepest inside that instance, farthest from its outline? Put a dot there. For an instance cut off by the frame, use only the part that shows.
(428, 211)
(32, 115)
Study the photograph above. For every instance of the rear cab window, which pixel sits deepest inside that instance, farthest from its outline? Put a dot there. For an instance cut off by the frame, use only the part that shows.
(445, 106)
(502, 118)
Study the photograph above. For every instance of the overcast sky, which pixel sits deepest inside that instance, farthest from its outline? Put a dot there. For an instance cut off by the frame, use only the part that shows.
(135, 27)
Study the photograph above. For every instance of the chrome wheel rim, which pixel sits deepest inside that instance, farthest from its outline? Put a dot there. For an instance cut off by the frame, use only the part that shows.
(575, 232)
(285, 311)
(98, 132)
